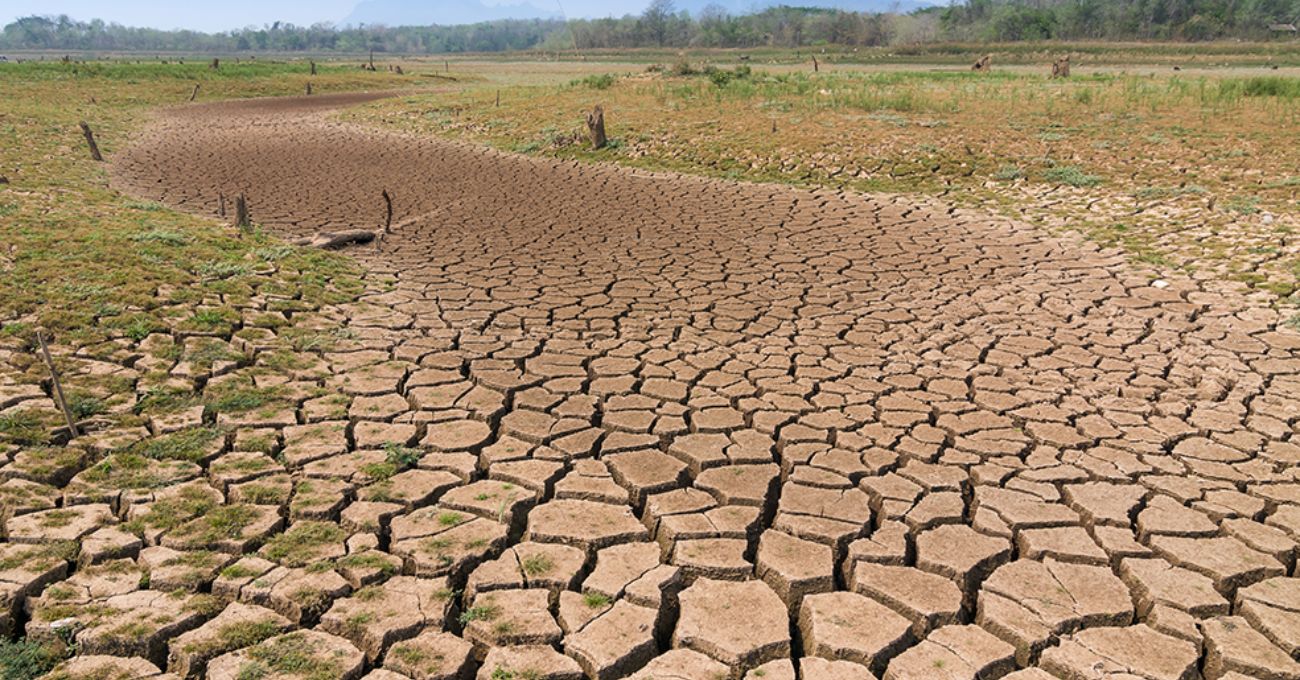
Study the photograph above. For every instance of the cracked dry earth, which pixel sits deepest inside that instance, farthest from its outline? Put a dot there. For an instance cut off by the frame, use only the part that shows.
(668, 427)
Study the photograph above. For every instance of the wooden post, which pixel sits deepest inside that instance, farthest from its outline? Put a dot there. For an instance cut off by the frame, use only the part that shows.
(90, 140)
(58, 387)
(372, 59)
(216, 64)
(816, 66)
(596, 127)
(388, 210)
(241, 212)
(446, 66)
(221, 204)
(309, 88)
(313, 68)
(773, 126)
(498, 98)
(195, 93)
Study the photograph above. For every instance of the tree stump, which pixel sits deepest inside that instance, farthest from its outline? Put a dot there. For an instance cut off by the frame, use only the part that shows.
(983, 64)
(241, 212)
(1061, 67)
(90, 141)
(216, 64)
(596, 127)
(194, 93)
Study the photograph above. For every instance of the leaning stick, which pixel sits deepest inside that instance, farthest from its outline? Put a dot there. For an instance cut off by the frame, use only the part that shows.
(90, 140)
(58, 387)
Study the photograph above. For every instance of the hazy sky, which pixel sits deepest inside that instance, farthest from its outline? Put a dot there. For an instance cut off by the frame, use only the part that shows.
(227, 14)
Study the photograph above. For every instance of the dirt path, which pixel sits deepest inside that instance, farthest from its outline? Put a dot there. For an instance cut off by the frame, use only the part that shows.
(763, 422)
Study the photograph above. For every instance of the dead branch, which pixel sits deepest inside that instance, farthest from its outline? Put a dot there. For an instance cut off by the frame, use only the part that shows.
(58, 386)
(90, 140)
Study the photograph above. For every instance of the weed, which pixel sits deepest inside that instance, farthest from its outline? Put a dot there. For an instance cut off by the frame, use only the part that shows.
(595, 600)
(1071, 175)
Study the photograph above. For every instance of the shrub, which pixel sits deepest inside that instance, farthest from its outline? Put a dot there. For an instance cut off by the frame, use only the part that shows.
(1069, 174)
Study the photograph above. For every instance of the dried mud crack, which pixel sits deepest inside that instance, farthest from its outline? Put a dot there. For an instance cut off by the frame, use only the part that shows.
(588, 422)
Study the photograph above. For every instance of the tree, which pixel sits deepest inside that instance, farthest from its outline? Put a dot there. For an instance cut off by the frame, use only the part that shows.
(655, 20)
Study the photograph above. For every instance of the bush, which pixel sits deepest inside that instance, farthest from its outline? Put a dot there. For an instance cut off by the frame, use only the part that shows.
(602, 81)
(23, 660)
(1068, 174)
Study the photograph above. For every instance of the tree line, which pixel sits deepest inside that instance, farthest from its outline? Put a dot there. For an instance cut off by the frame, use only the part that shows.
(660, 25)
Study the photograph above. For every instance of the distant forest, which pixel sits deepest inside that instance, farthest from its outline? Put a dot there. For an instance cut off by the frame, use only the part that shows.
(660, 25)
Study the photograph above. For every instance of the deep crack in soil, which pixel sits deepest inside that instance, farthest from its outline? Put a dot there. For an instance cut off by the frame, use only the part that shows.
(723, 423)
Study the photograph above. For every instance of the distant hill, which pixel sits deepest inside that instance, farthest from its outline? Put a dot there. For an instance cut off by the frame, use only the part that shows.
(452, 12)
(441, 12)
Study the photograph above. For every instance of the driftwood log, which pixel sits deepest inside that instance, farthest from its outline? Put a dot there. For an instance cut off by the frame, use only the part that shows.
(983, 64)
(336, 239)
(1061, 67)
(596, 127)
(90, 141)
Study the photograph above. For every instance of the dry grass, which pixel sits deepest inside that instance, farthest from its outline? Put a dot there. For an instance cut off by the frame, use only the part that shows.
(88, 263)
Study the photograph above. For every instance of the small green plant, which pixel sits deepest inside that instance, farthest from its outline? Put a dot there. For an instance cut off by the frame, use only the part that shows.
(536, 565)
(23, 660)
(1242, 205)
(401, 457)
(1071, 175)
(595, 600)
(482, 612)
(1008, 172)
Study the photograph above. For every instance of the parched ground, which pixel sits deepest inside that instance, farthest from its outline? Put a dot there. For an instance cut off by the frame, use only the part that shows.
(586, 421)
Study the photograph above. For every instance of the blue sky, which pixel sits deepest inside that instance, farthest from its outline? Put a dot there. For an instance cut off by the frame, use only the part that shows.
(227, 14)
